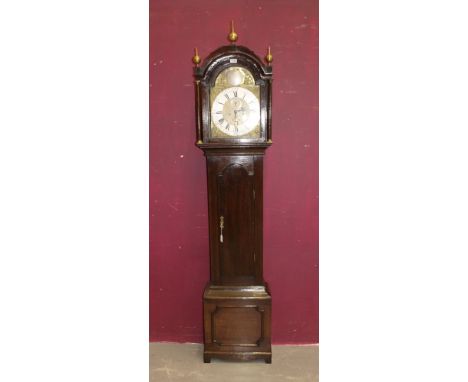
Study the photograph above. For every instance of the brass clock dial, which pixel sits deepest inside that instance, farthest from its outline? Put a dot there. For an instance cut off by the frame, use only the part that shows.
(235, 105)
(235, 111)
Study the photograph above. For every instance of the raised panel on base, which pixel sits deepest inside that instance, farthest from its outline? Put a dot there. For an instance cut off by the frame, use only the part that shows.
(237, 323)
(237, 326)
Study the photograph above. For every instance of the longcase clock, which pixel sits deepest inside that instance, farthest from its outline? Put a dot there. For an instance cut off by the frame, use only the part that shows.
(233, 128)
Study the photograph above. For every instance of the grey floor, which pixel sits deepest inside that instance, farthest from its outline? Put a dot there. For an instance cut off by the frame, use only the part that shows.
(184, 362)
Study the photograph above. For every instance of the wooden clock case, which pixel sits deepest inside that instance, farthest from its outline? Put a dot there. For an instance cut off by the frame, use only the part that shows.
(236, 300)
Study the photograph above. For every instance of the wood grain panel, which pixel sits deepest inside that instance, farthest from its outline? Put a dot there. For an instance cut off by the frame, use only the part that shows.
(237, 326)
(237, 206)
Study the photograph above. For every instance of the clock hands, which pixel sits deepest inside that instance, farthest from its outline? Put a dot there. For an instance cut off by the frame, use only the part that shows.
(235, 111)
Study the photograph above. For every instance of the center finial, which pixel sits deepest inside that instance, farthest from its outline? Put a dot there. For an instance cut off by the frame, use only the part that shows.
(232, 35)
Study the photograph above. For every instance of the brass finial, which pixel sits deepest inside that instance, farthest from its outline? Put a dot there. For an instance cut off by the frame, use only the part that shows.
(196, 57)
(269, 57)
(232, 36)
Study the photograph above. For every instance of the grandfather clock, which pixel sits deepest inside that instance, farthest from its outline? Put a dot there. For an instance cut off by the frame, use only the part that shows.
(233, 119)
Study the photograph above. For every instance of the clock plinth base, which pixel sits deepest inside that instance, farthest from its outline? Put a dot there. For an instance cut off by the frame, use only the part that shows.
(237, 323)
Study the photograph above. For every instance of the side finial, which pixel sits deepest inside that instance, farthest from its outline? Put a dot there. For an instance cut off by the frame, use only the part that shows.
(269, 57)
(232, 36)
(196, 57)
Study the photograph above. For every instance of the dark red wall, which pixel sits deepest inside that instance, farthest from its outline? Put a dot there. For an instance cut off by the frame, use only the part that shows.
(179, 259)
